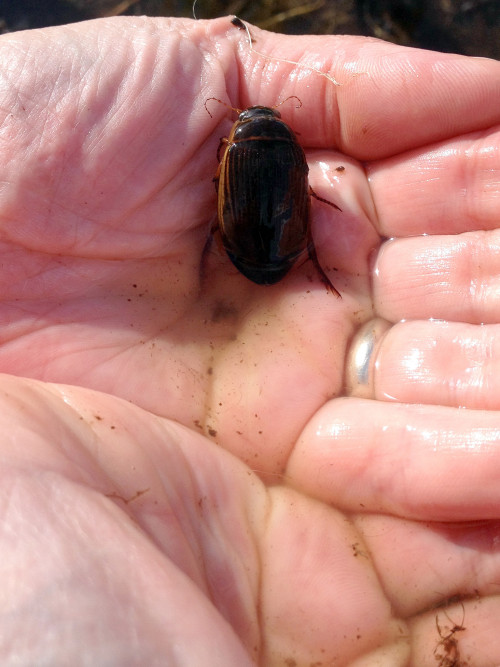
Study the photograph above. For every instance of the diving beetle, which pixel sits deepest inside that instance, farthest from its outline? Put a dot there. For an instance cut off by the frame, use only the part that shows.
(263, 191)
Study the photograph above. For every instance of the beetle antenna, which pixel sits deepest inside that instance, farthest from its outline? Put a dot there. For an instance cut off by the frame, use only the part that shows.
(194, 5)
(289, 98)
(284, 60)
(226, 105)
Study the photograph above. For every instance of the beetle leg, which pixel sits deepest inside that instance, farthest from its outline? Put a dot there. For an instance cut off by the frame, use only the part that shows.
(215, 179)
(206, 248)
(223, 142)
(324, 278)
(214, 232)
(325, 201)
(312, 250)
(313, 256)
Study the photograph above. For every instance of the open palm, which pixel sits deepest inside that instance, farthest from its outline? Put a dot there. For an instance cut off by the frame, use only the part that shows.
(106, 201)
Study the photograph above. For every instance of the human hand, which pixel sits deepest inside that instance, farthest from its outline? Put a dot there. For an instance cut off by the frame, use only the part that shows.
(106, 202)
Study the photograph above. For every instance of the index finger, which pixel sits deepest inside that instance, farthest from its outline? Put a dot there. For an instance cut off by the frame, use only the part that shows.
(390, 98)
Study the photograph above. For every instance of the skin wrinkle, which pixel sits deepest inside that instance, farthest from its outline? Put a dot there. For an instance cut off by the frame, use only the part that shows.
(475, 272)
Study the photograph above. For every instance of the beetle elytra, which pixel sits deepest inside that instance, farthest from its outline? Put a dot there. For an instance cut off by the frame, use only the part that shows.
(264, 197)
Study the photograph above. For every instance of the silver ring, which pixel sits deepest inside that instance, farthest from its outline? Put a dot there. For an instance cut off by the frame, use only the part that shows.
(362, 358)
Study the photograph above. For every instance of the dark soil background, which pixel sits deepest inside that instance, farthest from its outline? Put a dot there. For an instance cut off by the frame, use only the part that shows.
(471, 27)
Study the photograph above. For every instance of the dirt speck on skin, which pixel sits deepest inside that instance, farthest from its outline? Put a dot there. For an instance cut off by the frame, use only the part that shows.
(447, 651)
